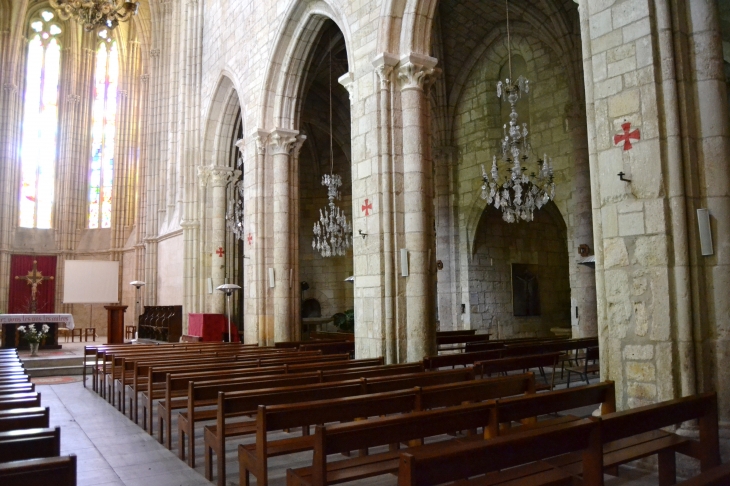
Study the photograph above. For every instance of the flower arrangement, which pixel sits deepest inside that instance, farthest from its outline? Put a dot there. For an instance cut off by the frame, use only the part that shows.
(32, 335)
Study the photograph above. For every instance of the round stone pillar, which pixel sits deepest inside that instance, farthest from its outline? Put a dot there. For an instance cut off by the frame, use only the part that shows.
(414, 73)
(217, 178)
(282, 143)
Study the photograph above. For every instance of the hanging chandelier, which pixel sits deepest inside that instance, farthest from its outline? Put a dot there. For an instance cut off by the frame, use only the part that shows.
(93, 14)
(332, 233)
(518, 193)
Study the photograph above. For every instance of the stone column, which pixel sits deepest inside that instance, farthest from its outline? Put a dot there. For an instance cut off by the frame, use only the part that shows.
(448, 297)
(218, 179)
(384, 64)
(415, 71)
(584, 317)
(282, 142)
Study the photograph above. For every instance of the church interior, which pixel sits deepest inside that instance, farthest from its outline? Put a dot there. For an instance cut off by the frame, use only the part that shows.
(426, 187)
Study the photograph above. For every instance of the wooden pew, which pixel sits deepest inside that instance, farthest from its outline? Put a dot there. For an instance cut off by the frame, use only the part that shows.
(24, 418)
(56, 471)
(206, 394)
(459, 359)
(520, 363)
(18, 445)
(634, 434)
(8, 388)
(20, 400)
(151, 390)
(330, 348)
(176, 385)
(332, 439)
(253, 458)
(458, 460)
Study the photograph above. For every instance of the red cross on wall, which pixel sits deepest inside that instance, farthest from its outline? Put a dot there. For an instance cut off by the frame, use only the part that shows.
(367, 207)
(249, 238)
(626, 136)
(220, 252)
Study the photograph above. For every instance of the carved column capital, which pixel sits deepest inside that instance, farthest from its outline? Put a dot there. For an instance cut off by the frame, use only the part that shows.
(220, 176)
(348, 81)
(416, 71)
(144, 78)
(282, 141)
(154, 52)
(261, 138)
(73, 99)
(10, 88)
(301, 138)
(384, 64)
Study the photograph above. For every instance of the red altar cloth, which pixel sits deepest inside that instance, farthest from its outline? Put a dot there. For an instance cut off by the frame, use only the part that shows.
(210, 327)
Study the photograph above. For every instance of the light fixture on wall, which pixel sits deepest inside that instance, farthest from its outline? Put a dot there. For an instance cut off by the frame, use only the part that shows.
(518, 194)
(333, 232)
(93, 14)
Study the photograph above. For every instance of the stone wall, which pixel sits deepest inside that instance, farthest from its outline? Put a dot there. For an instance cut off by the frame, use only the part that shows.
(497, 246)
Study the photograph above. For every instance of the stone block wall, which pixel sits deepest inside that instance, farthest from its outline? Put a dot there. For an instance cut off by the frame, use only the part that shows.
(498, 245)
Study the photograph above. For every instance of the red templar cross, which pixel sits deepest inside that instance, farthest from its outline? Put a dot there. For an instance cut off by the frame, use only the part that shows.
(626, 136)
(220, 252)
(367, 207)
(250, 239)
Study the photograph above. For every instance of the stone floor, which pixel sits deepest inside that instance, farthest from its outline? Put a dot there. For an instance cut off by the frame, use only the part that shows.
(112, 450)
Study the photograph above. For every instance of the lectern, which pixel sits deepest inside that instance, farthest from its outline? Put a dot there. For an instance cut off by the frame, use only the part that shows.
(115, 324)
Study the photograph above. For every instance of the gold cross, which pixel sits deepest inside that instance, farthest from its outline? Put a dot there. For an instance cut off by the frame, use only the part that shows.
(34, 278)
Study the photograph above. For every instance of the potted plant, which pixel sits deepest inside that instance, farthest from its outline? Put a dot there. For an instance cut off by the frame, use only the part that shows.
(33, 336)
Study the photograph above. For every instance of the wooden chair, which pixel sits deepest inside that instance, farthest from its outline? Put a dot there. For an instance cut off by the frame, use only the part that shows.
(89, 331)
(77, 332)
(129, 332)
(588, 367)
(63, 331)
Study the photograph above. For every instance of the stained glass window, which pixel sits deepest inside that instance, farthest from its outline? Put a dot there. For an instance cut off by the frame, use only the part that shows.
(40, 122)
(102, 133)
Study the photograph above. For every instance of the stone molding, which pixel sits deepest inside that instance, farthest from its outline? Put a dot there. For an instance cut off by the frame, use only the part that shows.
(416, 71)
(301, 138)
(261, 138)
(282, 142)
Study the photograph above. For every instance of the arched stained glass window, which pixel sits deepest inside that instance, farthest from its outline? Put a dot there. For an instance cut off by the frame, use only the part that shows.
(102, 133)
(40, 122)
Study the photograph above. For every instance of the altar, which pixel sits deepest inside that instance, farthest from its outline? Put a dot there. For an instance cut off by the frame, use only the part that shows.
(11, 322)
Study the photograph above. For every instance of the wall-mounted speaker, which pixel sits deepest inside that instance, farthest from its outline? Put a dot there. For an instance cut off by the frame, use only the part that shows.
(403, 262)
(271, 278)
(210, 285)
(703, 221)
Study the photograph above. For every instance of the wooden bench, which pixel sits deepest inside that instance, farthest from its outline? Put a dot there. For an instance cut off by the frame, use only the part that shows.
(457, 460)
(24, 418)
(176, 385)
(18, 445)
(58, 471)
(151, 390)
(253, 458)
(459, 359)
(520, 363)
(20, 400)
(332, 439)
(634, 434)
(207, 394)
(7, 388)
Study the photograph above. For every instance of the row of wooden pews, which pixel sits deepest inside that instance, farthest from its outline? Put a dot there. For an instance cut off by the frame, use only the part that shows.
(30, 451)
(401, 419)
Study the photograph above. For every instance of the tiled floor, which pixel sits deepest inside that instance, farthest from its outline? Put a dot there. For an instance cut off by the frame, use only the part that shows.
(112, 450)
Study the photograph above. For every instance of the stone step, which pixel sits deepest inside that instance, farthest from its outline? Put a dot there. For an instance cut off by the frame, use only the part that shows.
(52, 361)
(56, 371)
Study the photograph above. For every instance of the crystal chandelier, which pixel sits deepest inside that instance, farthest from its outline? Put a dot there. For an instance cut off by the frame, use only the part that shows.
(517, 194)
(332, 233)
(95, 13)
